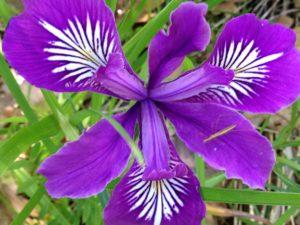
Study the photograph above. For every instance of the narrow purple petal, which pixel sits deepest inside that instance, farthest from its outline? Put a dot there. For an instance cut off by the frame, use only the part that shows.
(188, 32)
(60, 44)
(84, 167)
(225, 139)
(266, 65)
(175, 201)
(191, 83)
(155, 145)
(115, 78)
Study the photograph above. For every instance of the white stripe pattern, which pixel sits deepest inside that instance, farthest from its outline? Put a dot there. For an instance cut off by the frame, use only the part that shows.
(80, 50)
(251, 69)
(155, 199)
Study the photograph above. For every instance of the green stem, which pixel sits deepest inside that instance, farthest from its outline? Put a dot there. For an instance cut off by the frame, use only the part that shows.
(15, 91)
(34, 200)
(120, 129)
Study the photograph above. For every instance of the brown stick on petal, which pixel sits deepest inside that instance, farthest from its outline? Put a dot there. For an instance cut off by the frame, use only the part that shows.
(219, 133)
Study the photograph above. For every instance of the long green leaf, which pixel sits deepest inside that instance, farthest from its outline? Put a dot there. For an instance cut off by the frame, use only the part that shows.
(30, 189)
(250, 197)
(16, 91)
(141, 39)
(283, 219)
(33, 201)
(292, 186)
(112, 4)
(213, 181)
(213, 3)
(125, 26)
(14, 119)
(13, 147)
(70, 132)
(289, 163)
(120, 129)
(6, 12)
(200, 169)
(19, 97)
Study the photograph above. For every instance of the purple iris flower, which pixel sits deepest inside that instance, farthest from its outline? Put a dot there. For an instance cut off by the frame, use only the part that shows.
(73, 45)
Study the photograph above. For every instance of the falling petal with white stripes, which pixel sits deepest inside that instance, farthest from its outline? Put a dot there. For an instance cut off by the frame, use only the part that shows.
(155, 202)
(265, 63)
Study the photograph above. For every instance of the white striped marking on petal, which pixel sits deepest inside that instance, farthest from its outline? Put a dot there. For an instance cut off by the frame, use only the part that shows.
(251, 69)
(81, 50)
(155, 199)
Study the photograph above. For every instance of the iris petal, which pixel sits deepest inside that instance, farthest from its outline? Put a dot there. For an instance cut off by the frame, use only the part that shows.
(60, 44)
(167, 50)
(266, 65)
(115, 78)
(154, 143)
(191, 83)
(225, 139)
(84, 167)
(161, 202)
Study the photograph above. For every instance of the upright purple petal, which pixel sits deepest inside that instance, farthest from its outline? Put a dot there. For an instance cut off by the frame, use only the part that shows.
(266, 65)
(155, 145)
(84, 167)
(60, 44)
(225, 139)
(188, 32)
(191, 83)
(174, 201)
